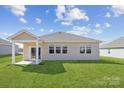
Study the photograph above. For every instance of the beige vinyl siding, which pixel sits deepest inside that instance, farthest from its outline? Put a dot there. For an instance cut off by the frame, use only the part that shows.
(72, 54)
(26, 49)
(26, 54)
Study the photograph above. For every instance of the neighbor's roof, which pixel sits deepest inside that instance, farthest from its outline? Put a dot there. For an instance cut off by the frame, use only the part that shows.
(65, 37)
(5, 42)
(118, 43)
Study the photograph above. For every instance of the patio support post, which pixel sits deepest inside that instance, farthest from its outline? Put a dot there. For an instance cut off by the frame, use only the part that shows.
(13, 52)
(37, 51)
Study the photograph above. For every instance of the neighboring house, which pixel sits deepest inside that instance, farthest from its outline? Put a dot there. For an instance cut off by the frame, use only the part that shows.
(113, 49)
(6, 47)
(56, 46)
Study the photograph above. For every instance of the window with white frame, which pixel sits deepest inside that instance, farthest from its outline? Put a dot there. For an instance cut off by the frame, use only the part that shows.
(88, 49)
(82, 49)
(58, 50)
(64, 50)
(51, 49)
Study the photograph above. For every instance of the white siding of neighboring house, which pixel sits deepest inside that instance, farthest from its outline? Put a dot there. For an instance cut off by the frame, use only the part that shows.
(6, 49)
(119, 53)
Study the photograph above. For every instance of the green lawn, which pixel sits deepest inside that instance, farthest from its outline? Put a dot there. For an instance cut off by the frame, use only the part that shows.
(107, 72)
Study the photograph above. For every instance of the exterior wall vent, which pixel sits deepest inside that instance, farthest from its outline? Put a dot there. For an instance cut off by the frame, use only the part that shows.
(60, 32)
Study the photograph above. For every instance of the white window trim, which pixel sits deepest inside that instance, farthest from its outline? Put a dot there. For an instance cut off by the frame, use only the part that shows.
(88, 48)
(85, 45)
(61, 48)
(49, 48)
(84, 49)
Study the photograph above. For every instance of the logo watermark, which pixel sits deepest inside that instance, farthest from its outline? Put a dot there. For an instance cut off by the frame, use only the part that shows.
(107, 81)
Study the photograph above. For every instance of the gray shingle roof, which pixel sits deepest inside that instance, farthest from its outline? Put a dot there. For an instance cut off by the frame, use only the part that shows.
(65, 37)
(118, 43)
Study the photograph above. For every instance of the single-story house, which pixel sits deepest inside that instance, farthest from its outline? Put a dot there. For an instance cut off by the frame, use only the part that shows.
(55, 46)
(6, 47)
(113, 49)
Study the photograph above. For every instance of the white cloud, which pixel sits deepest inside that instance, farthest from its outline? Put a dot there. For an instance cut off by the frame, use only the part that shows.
(51, 30)
(38, 20)
(41, 30)
(107, 25)
(67, 14)
(70, 6)
(98, 31)
(108, 15)
(22, 20)
(85, 30)
(100, 28)
(115, 11)
(5, 34)
(47, 11)
(98, 25)
(118, 10)
(103, 26)
(44, 31)
(66, 23)
(17, 10)
(30, 28)
(60, 11)
(77, 30)
(77, 14)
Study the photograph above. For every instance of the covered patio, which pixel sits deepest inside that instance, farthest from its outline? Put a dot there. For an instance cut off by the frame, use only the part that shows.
(24, 37)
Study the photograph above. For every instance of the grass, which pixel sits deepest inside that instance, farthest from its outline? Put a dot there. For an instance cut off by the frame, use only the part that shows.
(107, 72)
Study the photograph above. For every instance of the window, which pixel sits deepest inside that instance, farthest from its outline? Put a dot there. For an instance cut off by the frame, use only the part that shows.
(51, 49)
(58, 50)
(33, 53)
(82, 49)
(88, 49)
(64, 50)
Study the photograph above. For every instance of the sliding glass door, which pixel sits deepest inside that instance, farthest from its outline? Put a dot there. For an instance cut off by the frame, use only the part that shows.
(33, 53)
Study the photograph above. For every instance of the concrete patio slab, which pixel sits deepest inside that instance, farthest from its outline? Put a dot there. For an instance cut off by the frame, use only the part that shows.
(26, 62)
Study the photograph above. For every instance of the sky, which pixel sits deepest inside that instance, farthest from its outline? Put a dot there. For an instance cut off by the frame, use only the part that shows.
(99, 22)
